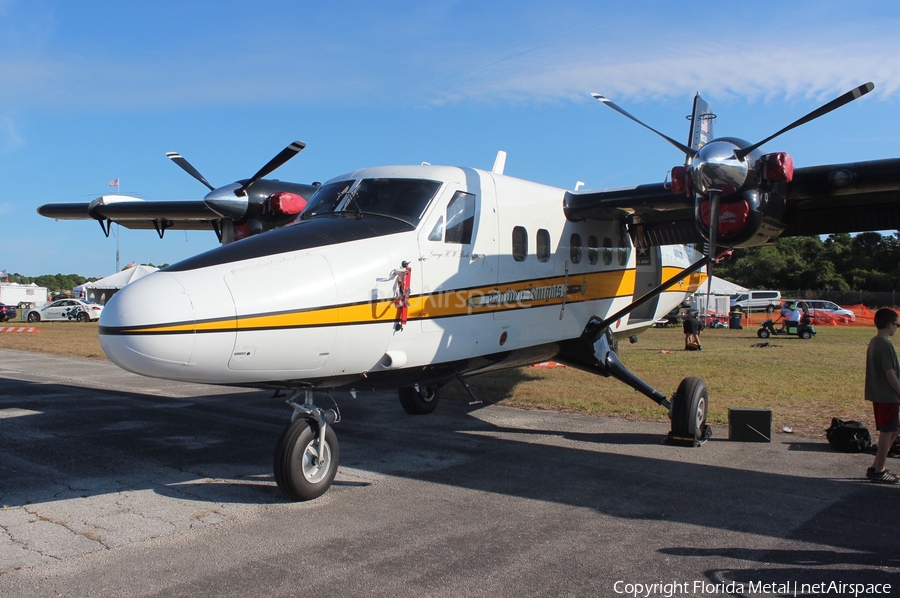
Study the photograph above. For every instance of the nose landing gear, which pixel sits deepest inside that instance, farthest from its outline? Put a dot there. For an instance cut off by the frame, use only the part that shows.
(307, 453)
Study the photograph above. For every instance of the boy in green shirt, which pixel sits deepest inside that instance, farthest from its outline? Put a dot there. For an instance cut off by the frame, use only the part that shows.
(883, 389)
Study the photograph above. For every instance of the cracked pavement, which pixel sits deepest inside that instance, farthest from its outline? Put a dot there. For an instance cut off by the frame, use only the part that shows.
(113, 484)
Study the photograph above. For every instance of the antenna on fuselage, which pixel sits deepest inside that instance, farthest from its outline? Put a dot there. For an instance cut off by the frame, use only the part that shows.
(499, 163)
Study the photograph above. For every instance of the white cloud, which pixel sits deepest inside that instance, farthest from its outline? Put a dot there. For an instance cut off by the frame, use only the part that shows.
(9, 137)
(443, 55)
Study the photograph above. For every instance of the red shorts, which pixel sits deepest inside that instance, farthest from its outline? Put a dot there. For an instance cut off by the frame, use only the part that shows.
(886, 417)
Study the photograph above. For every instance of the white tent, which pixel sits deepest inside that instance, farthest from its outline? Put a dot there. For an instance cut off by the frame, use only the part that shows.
(720, 286)
(720, 294)
(101, 290)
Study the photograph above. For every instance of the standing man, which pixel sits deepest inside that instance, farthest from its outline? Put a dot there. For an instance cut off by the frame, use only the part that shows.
(883, 389)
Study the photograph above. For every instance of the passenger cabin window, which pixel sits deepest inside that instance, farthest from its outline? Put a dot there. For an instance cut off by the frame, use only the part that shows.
(460, 218)
(623, 253)
(520, 243)
(593, 250)
(543, 245)
(575, 248)
(607, 251)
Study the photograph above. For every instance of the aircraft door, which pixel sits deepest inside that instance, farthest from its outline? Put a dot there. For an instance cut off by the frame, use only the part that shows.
(648, 275)
(459, 257)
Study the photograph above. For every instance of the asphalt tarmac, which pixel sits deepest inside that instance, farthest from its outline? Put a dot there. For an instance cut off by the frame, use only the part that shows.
(116, 485)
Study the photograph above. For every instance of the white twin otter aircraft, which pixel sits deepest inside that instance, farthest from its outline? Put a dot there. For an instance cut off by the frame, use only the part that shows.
(411, 276)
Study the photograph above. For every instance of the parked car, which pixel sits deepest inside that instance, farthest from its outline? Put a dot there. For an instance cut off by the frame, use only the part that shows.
(65, 309)
(816, 305)
(767, 301)
(7, 312)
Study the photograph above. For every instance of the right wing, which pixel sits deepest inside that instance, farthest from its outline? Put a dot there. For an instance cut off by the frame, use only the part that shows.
(135, 213)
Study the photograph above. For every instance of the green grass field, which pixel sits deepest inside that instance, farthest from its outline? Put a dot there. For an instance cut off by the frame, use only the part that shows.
(804, 382)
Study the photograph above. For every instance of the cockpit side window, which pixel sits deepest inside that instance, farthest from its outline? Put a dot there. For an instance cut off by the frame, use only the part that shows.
(460, 218)
(437, 231)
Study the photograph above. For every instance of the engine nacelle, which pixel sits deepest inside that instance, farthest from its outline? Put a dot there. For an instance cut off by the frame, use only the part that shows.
(752, 214)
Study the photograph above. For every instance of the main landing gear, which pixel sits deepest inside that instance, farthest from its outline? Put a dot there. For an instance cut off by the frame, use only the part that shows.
(307, 453)
(418, 400)
(595, 351)
(688, 413)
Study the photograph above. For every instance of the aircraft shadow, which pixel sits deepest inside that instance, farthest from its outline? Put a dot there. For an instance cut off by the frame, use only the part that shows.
(74, 442)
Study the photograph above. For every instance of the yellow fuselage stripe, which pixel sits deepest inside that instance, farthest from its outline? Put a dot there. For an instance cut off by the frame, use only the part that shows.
(488, 299)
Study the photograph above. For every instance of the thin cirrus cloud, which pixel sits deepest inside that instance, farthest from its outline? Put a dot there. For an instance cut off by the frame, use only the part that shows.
(556, 67)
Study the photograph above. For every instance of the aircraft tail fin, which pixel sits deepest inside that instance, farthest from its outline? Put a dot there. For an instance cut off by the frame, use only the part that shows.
(702, 121)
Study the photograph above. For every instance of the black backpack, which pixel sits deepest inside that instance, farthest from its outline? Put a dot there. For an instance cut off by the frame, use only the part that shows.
(848, 437)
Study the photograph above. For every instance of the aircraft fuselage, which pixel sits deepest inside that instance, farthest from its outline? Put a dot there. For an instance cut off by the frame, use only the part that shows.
(392, 275)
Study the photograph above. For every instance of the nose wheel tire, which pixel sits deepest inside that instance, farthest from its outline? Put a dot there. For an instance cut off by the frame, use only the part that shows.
(689, 409)
(300, 471)
(418, 400)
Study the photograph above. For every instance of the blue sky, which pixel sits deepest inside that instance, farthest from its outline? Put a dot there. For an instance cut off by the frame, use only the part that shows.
(92, 91)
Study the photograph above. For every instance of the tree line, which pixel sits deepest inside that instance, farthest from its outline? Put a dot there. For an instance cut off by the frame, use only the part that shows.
(841, 262)
(58, 282)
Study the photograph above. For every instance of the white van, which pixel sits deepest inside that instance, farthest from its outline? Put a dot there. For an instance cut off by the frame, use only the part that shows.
(756, 301)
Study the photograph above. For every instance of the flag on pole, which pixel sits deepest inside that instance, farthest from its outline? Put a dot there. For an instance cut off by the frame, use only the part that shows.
(4, 273)
(114, 183)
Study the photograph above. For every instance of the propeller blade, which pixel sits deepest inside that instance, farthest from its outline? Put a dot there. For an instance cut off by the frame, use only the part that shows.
(834, 104)
(282, 157)
(188, 168)
(687, 151)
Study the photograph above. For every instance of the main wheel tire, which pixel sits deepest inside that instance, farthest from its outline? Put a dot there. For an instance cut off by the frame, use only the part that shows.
(689, 409)
(34, 317)
(83, 317)
(762, 333)
(418, 400)
(296, 472)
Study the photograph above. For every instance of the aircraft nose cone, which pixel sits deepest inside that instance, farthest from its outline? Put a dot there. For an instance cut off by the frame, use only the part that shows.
(129, 319)
(224, 202)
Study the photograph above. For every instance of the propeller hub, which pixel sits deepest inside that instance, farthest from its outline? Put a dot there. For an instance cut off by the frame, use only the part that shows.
(715, 167)
(225, 202)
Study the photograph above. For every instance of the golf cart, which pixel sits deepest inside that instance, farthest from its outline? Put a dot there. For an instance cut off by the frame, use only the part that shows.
(801, 329)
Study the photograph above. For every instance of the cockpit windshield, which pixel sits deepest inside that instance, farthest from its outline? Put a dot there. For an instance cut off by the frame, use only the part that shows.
(403, 199)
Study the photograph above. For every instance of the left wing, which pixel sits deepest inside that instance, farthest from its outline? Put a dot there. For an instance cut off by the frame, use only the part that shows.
(844, 198)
